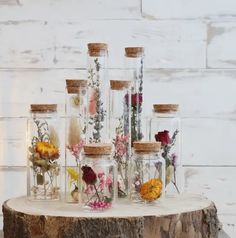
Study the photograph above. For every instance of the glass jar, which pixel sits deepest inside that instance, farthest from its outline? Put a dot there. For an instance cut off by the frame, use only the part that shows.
(134, 65)
(76, 106)
(98, 94)
(43, 153)
(98, 177)
(165, 128)
(120, 131)
(147, 173)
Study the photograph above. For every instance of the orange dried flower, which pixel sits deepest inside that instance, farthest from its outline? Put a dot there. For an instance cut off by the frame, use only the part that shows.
(47, 150)
(151, 190)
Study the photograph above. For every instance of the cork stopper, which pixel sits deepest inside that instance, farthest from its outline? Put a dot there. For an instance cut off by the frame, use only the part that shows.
(43, 107)
(165, 108)
(146, 146)
(134, 52)
(119, 84)
(98, 149)
(73, 85)
(97, 49)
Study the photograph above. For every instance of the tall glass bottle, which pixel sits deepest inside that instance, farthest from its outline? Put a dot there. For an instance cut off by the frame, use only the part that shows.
(120, 130)
(134, 64)
(76, 106)
(165, 128)
(43, 174)
(98, 94)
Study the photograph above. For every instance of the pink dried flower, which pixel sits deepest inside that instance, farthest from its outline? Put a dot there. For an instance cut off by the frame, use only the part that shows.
(121, 144)
(76, 149)
(102, 180)
(99, 205)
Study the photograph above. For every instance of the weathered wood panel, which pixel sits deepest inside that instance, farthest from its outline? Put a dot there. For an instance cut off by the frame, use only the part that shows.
(221, 52)
(69, 9)
(190, 9)
(202, 108)
(229, 224)
(201, 93)
(12, 183)
(169, 44)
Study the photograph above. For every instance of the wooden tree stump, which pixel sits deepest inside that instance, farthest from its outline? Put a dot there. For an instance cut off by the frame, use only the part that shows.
(185, 216)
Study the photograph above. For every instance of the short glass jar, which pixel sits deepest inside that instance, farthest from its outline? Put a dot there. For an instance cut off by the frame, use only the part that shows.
(76, 106)
(147, 173)
(43, 173)
(98, 94)
(120, 131)
(98, 177)
(165, 128)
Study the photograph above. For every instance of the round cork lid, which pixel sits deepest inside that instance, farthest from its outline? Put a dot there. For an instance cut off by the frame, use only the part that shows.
(97, 49)
(98, 149)
(43, 107)
(146, 146)
(166, 107)
(134, 52)
(119, 84)
(73, 85)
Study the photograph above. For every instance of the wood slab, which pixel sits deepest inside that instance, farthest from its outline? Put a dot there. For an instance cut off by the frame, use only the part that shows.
(182, 216)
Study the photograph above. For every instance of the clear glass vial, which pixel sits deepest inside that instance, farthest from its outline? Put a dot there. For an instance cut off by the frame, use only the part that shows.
(120, 131)
(134, 59)
(43, 153)
(98, 94)
(165, 128)
(76, 106)
(147, 173)
(98, 177)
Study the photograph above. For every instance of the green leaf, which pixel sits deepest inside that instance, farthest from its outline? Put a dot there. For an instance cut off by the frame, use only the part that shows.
(40, 179)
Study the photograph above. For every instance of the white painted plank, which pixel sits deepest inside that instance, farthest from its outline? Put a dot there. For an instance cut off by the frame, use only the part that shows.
(199, 92)
(9, 2)
(169, 44)
(13, 142)
(221, 52)
(188, 9)
(208, 141)
(201, 137)
(204, 111)
(12, 184)
(229, 224)
(70, 9)
(215, 183)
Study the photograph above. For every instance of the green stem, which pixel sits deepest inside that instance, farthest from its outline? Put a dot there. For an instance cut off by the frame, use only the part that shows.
(97, 193)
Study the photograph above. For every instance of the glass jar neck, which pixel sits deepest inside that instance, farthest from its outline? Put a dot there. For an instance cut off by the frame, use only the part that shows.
(169, 114)
(46, 114)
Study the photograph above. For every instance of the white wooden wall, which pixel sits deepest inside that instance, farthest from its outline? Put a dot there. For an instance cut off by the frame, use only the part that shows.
(190, 60)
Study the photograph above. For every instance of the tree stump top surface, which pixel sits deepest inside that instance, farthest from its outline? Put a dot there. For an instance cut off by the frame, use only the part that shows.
(184, 203)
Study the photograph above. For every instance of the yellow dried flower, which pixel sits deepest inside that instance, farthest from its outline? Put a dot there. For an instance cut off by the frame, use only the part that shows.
(47, 150)
(151, 190)
(74, 175)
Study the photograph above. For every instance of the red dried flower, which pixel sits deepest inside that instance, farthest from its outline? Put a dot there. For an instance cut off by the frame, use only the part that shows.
(136, 99)
(89, 176)
(163, 137)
